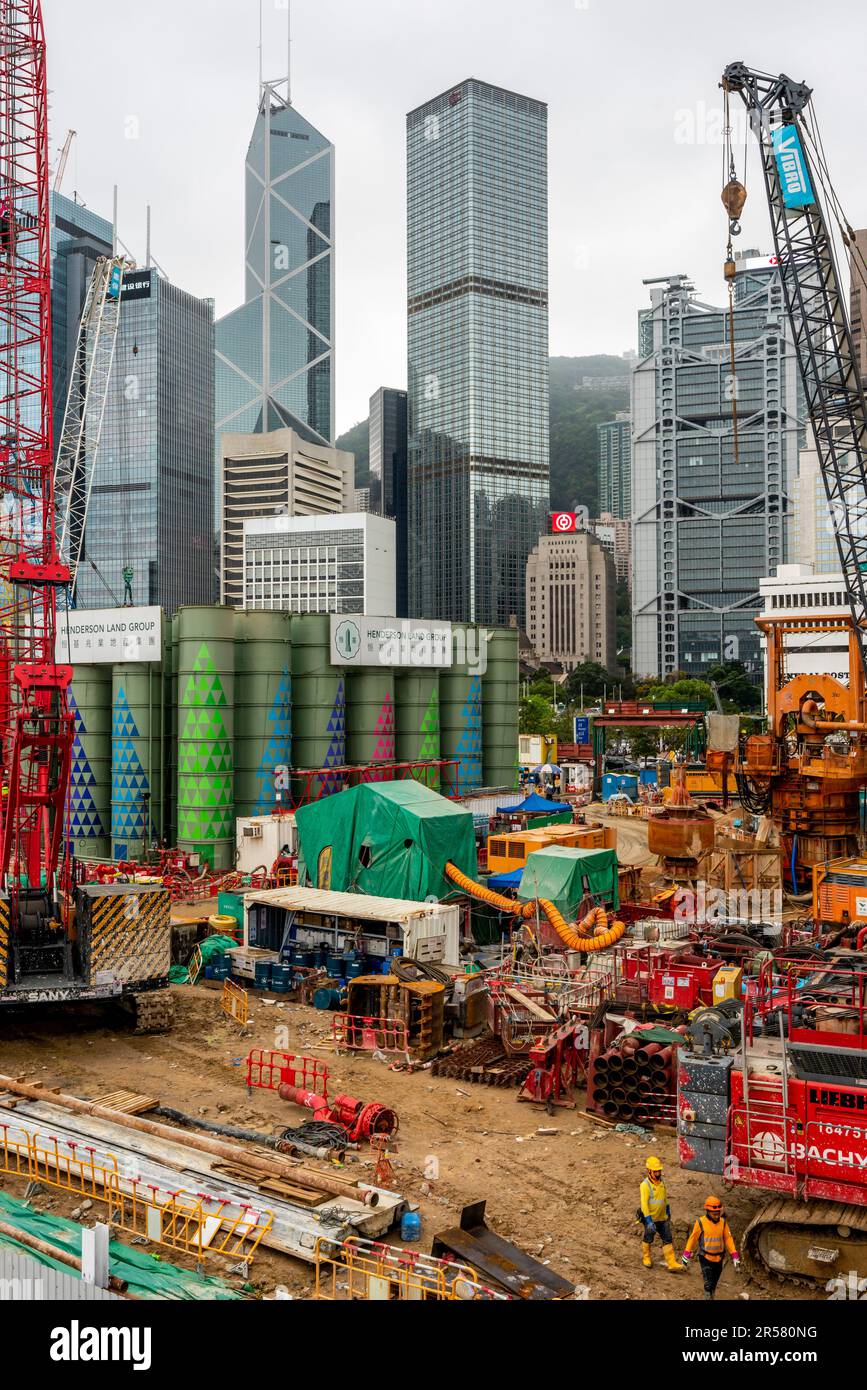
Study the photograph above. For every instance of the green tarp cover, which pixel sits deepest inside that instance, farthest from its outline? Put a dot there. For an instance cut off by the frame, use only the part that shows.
(386, 839)
(560, 874)
(148, 1276)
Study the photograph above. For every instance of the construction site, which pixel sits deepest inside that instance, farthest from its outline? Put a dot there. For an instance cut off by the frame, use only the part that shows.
(311, 991)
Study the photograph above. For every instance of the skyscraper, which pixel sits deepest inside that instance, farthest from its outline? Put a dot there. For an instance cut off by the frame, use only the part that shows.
(615, 465)
(275, 354)
(79, 238)
(477, 208)
(710, 519)
(152, 499)
(388, 475)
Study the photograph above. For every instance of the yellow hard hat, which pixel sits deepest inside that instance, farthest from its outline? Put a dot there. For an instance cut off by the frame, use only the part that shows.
(654, 1165)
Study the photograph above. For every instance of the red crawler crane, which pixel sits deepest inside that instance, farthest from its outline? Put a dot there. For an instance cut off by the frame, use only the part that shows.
(36, 727)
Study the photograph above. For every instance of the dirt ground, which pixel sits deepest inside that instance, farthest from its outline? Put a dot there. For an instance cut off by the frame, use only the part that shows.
(568, 1198)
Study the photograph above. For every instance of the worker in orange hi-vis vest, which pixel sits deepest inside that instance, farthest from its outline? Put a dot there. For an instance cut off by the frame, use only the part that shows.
(712, 1234)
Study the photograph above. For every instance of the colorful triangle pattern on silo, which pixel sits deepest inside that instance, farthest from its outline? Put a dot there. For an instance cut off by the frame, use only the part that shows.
(206, 800)
(384, 750)
(278, 750)
(85, 821)
(429, 746)
(336, 755)
(469, 748)
(129, 781)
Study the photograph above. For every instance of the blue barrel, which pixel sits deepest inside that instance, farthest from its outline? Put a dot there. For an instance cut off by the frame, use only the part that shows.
(262, 978)
(327, 997)
(355, 967)
(410, 1226)
(282, 978)
(335, 965)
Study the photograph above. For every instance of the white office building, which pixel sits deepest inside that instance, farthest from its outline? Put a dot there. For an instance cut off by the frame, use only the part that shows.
(797, 592)
(320, 564)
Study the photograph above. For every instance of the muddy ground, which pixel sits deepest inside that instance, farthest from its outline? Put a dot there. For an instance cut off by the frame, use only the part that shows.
(568, 1198)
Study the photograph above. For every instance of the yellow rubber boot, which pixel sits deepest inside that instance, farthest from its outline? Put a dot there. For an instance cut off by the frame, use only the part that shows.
(672, 1262)
(645, 1255)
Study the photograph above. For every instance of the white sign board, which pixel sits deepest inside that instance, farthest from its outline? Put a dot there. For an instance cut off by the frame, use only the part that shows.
(357, 641)
(97, 636)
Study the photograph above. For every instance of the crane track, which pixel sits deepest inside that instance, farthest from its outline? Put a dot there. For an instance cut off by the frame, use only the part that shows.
(778, 1239)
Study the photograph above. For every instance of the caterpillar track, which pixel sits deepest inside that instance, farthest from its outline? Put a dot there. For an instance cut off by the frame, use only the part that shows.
(810, 1242)
(152, 1011)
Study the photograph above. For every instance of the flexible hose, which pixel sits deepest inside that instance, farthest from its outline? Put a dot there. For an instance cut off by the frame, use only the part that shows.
(601, 942)
(587, 942)
(410, 971)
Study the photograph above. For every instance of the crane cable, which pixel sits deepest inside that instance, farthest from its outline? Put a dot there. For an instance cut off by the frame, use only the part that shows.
(733, 197)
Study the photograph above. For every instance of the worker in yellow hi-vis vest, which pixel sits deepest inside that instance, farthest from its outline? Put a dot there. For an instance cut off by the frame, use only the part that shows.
(655, 1215)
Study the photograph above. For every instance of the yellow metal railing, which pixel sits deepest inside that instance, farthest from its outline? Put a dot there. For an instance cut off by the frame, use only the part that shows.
(235, 1002)
(195, 1225)
(357, 1269)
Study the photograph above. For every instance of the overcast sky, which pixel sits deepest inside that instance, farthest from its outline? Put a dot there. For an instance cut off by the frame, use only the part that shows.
(163, 96)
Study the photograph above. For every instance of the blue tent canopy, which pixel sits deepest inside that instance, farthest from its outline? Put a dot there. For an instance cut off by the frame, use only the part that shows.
(534, 805)
(500, 881)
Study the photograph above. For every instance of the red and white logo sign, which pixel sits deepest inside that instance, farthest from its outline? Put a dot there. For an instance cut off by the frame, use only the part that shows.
(564, 521)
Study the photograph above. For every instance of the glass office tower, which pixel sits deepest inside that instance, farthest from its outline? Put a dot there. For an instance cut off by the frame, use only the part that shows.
(388, 465)
(152, 499)
(275, 353)
(477, 211)
(710, 514)
(79, 238)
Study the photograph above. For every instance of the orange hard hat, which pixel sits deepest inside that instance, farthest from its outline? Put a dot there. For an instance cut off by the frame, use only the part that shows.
(713, 1204)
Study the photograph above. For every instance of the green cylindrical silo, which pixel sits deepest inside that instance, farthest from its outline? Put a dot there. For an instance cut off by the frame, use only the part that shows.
(318, 706)
(263, 710)
(170, 732)
(500, 709)
(136, 758)
(461, 712)
(206, 730)
(417, 701)
(370, 734)
(90, 781)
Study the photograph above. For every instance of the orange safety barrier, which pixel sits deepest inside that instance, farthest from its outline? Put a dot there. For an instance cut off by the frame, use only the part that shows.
(194, 1224)
(235, 1002)
(606, 937)
(357, 1269)
(270, 1070)
(366, 1033)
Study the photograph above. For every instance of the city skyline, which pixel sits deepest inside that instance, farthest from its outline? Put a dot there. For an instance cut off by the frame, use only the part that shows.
(614, 145)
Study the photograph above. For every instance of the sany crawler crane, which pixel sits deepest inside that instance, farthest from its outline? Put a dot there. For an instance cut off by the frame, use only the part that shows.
(776, 1098)
(57, 942)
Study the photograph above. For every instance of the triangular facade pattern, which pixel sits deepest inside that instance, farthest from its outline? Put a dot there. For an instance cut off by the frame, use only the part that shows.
(85, 820)
(469, 749)
(206, 801)
(278, 750)
(129, 781)
(429, 746)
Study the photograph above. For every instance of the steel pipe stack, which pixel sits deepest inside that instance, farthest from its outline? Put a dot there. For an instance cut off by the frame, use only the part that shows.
(635, 1082)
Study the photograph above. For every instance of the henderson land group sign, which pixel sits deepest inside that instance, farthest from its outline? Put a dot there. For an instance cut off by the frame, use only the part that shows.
(97, 636)
(357, 641)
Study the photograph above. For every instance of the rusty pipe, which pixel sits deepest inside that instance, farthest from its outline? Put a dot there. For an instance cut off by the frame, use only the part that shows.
(54, 1253)
(269, 1167)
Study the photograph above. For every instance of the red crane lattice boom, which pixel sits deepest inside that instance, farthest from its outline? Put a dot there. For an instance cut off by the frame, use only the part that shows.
(36, 728)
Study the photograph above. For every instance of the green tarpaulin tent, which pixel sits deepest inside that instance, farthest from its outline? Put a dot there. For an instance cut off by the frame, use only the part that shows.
(566, 876)
(386, 839)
